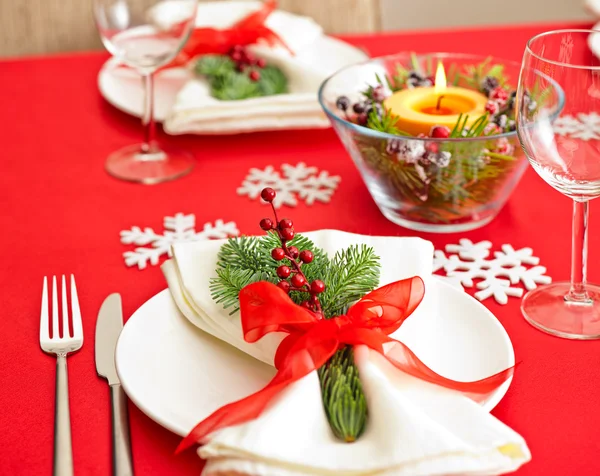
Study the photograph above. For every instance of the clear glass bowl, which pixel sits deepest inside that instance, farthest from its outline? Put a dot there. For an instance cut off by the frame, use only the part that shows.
(465, 190)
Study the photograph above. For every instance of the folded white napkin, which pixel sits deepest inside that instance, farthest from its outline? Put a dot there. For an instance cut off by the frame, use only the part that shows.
(193, 265)
(196, 112)
(414, 428)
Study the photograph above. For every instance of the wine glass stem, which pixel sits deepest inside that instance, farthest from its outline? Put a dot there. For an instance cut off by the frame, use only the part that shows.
(578, 293)
(149, 144)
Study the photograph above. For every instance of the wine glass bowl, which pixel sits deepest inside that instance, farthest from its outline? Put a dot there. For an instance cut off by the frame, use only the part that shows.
(145, 35)
(559, 130)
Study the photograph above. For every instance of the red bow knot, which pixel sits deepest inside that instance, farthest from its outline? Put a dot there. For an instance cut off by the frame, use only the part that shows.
(312, 341)
(247, 31)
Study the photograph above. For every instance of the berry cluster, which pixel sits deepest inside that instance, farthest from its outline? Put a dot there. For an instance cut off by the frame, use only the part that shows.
(360, 111)
(245, 61)
(500, 106)
(292, 277)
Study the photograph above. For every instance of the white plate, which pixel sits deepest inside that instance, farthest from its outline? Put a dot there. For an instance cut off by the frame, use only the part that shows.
(122, 87)
(178, 375)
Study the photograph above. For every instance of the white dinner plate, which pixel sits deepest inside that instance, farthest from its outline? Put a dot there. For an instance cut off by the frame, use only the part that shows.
(178, 375)
(122, 87)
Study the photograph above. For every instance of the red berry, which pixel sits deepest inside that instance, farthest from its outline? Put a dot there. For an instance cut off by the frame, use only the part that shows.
(284, 271)
(293, 251)
(492, 107)
(499, 95)
(238, 48)
(236, 56)
(285, 223)
(306, 256)
(362, 119)
(254, 75)
(284, 285)
(298, 280)
(440, 132)
(278, 254)
(306, 305)
(287, 234)
(268, 194)
(317, 286)
(249, 57)
(261, 63)
(266, 224)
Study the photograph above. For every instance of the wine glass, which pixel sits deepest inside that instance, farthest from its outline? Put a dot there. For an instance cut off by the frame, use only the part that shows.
(557, 123)
(145, 35)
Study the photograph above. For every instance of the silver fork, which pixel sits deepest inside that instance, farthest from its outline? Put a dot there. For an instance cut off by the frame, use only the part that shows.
(61, 347)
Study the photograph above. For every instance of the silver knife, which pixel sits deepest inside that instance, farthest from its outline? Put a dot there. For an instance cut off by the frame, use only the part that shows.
(108, 328)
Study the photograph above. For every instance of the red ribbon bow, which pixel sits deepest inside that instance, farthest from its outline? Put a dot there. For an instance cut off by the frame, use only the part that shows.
(247, 31)
(311, 341)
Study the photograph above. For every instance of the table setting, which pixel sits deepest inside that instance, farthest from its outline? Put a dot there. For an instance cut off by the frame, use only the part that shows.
(323, 255)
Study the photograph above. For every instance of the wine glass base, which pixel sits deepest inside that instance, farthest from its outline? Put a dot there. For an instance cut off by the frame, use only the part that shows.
(546, 308)
(133, 165)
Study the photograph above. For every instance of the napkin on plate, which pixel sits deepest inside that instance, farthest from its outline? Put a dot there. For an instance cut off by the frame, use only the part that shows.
(193, 265)
(414, 428)
(196, 111)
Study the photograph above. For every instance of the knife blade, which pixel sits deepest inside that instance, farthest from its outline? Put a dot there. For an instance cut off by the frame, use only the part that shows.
(108, 329)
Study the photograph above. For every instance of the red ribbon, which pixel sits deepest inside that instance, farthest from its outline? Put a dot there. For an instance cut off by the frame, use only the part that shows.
(247, 31)
(311, 341)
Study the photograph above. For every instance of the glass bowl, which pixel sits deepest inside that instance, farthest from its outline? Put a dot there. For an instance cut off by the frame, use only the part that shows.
(468, 180)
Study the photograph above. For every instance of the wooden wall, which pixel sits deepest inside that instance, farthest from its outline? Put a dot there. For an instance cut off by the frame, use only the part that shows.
(48, 26)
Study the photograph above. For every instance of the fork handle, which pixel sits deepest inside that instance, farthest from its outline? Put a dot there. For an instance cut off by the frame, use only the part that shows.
(63, 451)
(121, 440)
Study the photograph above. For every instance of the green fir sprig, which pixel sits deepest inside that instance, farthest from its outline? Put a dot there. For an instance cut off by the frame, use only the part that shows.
(349, 275)
(229, 84)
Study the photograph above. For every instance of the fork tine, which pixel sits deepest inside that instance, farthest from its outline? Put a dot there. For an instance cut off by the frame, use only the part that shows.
(44, 330)
(65, 310)
(55, 334)
(75, 311)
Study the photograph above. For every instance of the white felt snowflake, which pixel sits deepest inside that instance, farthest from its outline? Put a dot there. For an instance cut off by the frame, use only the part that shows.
(178, 229)
(498, 276)
(581, 126)
(291, 183)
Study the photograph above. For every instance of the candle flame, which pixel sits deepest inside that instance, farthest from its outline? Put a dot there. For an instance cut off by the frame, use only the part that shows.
(440, 79)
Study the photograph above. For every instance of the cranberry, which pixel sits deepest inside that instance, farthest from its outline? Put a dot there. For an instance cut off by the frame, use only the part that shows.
(440, 132)
(306, 256)
(285, 223)
(268, 194)
(362, 119)
(317, 286)
(500, 95)
(261, 63)
(492, 107)
(266, 224)
(241, 67)
(359, 107)
(298, 280)
(378, 94)
(284, 271)
(293, 251)
(254, 75)
(306, 305)
(278, 254)
(284, 285)
(236, 56)
(287, 234)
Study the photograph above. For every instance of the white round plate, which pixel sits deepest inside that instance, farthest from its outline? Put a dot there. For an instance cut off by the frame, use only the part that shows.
(178, 375)
(122, 87)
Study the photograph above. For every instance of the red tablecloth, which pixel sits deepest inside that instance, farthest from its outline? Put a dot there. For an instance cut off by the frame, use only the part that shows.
(61, 213)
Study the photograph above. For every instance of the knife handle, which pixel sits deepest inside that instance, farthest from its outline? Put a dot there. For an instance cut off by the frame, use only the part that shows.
(121, 441)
